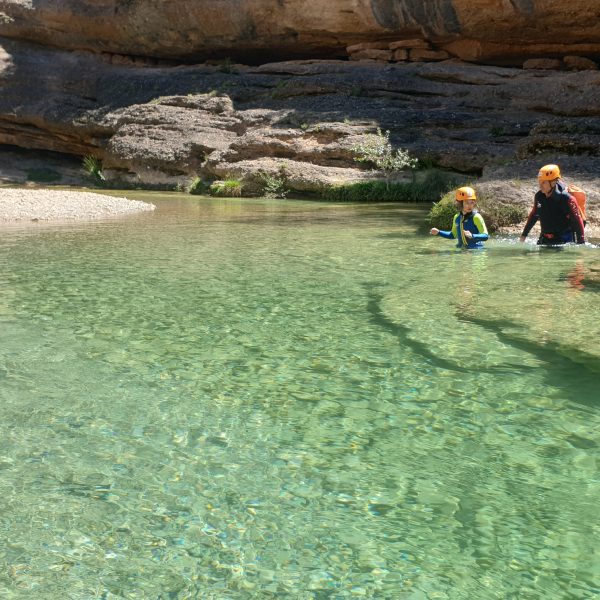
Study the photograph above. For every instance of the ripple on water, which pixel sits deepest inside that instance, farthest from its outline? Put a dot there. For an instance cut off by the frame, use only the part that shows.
(256, 399)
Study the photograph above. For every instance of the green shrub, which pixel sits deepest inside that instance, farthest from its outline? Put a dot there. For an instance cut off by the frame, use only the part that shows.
(498, 214)
(228, 188)
(376, 149)
(196, 187)
(427, 187)
(274, 186)
(441, 212)
(495, 214)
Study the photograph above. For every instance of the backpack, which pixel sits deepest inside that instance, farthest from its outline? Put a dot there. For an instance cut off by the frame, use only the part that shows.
(580, 199)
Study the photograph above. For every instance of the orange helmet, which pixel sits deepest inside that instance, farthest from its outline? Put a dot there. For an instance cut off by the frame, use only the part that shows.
(465, 193)
(549, 173)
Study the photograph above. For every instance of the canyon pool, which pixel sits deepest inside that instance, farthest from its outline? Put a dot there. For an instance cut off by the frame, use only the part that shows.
(232, 399)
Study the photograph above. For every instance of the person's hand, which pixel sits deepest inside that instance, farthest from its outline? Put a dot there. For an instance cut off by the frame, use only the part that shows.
(434, 231)
(468, 234)
(522, 239)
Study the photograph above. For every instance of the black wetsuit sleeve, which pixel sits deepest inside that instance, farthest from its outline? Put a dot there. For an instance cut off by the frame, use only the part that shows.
(576, 221)
(532, 219)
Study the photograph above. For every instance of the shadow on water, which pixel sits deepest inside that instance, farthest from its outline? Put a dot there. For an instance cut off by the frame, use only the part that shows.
(577, 381)
(590, 285)
(378, 317)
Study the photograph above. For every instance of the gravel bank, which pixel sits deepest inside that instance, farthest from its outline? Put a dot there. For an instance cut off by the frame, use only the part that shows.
(22, 205)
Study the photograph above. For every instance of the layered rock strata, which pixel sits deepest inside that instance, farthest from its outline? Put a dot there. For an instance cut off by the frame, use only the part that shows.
(259, 30)
(165, 125)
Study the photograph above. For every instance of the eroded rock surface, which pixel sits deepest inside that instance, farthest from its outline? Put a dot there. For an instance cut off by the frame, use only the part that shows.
(164, 125)
(262, 29)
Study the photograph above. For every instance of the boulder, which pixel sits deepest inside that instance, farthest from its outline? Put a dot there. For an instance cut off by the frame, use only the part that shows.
(379, 55)
(579, 63)
(367, 46)
(543, 63)
(418, 54)
(295, 175)
(418, 43)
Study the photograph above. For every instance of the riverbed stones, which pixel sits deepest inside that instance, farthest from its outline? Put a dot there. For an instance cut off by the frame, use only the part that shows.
(46, 205)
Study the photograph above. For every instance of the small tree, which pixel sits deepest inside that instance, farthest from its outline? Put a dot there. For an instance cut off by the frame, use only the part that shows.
(377, 150)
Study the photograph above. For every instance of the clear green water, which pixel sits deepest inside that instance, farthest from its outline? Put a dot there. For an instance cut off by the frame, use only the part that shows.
(254, 399)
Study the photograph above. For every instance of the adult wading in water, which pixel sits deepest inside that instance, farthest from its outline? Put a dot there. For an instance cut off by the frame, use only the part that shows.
(556, 210)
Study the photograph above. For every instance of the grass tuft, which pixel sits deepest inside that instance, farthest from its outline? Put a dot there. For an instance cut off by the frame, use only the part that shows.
(93, 166)
(228, 188)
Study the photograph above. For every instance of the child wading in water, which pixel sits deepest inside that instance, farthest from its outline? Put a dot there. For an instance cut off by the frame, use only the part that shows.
(468, 226)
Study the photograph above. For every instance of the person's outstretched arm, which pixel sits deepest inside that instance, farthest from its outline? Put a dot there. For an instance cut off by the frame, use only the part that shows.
(449, 235)
(532, 219)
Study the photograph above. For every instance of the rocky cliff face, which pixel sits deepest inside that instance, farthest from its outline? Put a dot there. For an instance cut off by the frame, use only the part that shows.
(109, 78)
(483, 30)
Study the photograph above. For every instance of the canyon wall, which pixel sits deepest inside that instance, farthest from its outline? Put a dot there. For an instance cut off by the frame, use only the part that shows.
(153, 89)
(260, 30)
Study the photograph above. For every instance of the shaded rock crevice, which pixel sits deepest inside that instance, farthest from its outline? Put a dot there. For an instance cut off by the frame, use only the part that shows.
(435, 17)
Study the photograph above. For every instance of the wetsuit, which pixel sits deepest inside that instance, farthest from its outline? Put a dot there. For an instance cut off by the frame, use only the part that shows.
(472, 222)
(559, 217)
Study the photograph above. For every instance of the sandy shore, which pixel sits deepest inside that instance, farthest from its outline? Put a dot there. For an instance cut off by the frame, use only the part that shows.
(32, 206)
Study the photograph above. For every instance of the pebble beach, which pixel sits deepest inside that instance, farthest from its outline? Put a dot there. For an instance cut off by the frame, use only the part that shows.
(22, 206)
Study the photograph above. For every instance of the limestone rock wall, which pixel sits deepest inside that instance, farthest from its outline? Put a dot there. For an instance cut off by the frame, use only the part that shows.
(105, 77)
(164, 125)
(476, 30)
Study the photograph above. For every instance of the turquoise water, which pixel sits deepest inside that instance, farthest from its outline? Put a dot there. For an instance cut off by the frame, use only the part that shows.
(262, 399)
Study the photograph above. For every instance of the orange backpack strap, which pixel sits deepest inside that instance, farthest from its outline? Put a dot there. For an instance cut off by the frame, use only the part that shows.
(580, 198)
